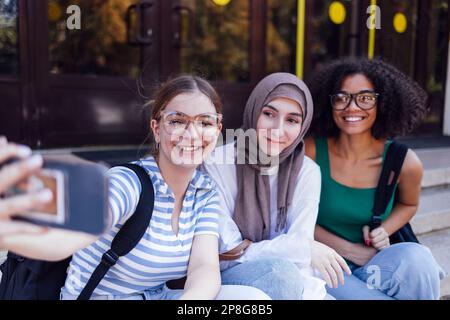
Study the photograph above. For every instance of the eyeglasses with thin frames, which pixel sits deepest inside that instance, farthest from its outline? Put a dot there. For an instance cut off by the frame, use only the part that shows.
(365, 100)
(175, 122)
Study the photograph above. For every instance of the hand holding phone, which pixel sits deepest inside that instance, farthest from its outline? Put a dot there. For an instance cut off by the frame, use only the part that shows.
(80, 194)
(16, 164)
(67, 192)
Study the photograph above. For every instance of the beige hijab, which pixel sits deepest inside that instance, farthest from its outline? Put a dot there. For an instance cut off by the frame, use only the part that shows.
(252, 209)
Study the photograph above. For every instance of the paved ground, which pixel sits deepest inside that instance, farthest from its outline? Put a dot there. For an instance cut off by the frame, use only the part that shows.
(439, 244)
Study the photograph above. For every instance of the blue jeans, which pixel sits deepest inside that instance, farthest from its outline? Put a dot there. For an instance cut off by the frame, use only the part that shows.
(278, 278)
(404, 271)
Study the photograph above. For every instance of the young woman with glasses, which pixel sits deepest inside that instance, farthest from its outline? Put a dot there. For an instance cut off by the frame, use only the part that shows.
(360, 105)
(182, 237)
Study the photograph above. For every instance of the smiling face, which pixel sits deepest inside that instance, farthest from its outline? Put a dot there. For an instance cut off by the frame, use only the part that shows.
(353, 120)
(279, 125)
(191, 146)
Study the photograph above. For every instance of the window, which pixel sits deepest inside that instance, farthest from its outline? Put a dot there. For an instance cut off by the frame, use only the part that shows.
(100, 47)
(281, 35)
(398, 48)
(9, 49)
(214, 39)
(437, 43)
(328, 40)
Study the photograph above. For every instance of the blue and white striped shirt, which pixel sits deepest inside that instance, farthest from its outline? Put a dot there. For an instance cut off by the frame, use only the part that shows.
(161, 255)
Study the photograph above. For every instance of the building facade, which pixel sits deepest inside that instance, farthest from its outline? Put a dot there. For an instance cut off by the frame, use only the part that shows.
(77, 73)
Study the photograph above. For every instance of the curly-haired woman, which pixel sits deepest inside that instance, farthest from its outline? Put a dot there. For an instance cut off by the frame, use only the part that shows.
(360, 105)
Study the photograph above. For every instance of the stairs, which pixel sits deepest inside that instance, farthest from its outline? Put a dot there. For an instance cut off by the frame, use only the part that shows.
(432, 220)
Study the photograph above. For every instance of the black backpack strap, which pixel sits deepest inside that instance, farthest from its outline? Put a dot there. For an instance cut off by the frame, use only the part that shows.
(393, 162)
(129, 235)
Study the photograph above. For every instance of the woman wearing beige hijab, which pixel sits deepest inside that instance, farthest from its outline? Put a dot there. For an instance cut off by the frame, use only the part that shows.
(270, 194)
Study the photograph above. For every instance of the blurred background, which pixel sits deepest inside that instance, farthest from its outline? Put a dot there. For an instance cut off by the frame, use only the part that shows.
(82, 91)
(86, 87)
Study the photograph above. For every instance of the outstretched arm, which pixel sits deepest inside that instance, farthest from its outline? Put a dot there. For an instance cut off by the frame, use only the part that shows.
(25, 238)
(56, 244)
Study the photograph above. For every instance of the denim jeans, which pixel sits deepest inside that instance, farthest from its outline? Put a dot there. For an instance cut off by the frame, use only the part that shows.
(162, 292)
(278, 278)
(404, 271)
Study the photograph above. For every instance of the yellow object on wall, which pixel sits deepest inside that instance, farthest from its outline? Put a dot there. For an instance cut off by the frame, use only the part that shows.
(337, 12)
(300, 38)
(54, 11)
(221, 2)
(400, 22)
(371, 48)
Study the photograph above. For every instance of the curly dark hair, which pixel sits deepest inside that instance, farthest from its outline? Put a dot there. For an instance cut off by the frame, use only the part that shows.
(401, 105)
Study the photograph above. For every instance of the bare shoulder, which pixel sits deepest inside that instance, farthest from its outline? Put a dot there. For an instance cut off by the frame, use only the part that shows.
(412, 167)
(310, 148)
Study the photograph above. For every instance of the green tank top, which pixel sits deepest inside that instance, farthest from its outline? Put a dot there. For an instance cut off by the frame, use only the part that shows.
(344, 210)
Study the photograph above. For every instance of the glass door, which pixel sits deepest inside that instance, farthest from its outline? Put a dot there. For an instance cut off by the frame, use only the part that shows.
(11, 115)
(212, 39)
(92, 81)
(414, 37)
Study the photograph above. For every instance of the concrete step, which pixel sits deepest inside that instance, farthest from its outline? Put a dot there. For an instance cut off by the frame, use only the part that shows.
(439, 244)
(436, 177)
(434, 211)
(436, 163)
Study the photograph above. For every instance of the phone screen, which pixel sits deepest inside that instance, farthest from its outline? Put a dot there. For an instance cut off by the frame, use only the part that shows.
(46, 181)
(53, 180)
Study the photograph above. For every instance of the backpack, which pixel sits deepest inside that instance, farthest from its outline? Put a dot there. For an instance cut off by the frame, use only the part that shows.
(392, 166)
(28, 279)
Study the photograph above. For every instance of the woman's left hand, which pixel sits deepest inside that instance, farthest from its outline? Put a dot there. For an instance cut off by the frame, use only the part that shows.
(329, 263)
(378, 238)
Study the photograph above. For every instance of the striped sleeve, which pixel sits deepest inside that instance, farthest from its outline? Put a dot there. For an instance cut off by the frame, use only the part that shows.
(124, 191)
(208, 219)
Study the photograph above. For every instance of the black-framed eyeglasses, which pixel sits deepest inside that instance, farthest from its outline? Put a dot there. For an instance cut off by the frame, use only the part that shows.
(365, 100)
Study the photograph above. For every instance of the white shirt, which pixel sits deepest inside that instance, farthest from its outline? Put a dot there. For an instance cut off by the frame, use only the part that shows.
(292, 243)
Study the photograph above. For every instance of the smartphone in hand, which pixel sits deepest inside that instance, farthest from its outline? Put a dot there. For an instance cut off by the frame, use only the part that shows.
(55, 211)
(80, 194)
